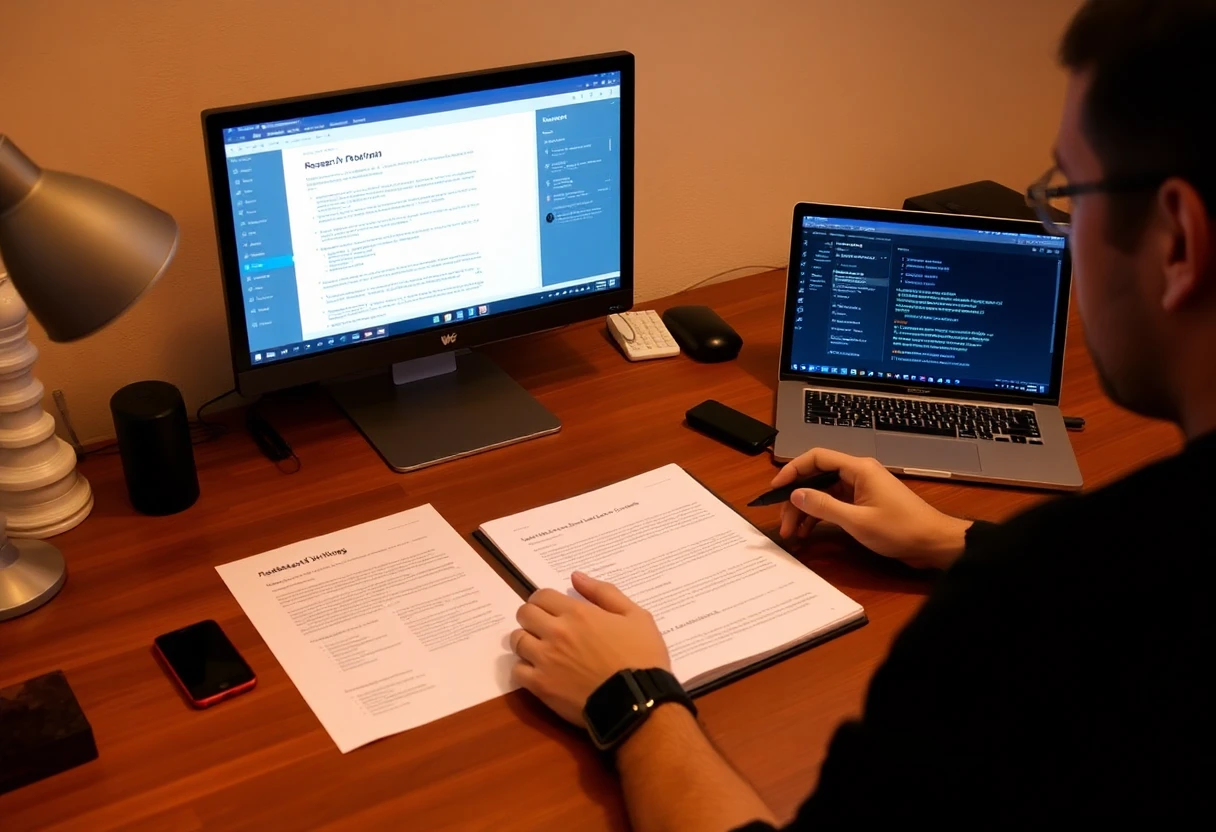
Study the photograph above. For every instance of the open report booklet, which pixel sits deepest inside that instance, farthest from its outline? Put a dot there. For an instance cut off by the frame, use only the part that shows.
(727, 599)
(391, 624)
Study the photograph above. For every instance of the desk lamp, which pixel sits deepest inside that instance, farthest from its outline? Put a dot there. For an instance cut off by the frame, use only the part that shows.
(78, 252)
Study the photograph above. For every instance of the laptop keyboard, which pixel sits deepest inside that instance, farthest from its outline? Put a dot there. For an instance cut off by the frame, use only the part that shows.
(924, 417)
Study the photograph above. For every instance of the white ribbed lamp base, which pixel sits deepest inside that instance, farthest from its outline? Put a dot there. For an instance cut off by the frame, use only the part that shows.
(40, 490)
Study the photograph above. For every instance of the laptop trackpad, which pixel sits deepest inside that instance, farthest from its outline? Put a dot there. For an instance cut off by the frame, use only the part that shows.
(902, 451)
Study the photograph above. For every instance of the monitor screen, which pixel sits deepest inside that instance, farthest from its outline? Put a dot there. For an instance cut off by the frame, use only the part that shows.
(359, 225)
(935, 306)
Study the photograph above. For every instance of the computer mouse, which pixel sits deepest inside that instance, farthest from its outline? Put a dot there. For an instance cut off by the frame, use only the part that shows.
(702, 334)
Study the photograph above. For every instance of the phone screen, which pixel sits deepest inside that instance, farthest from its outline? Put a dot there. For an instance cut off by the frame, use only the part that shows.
(204, 659)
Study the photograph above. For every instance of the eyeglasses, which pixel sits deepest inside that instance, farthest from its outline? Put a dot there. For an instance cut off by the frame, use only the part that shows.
(1051, 192)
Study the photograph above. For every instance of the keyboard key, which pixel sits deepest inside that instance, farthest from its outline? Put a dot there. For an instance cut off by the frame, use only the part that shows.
(923, 430)
(1001, 438)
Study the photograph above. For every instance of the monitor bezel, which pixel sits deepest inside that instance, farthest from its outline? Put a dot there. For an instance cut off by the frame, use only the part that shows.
(965, 221)
(252, 379)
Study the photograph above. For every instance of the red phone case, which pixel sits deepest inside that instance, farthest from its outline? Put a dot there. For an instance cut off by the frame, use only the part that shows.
(210, 700)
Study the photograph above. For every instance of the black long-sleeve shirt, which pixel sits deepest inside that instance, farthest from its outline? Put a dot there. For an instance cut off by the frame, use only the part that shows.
(1061, 668)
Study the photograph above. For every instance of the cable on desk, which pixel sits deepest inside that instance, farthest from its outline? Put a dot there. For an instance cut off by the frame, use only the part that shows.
(108, 449)
(202, 430)
(61, 404)
(729, 271)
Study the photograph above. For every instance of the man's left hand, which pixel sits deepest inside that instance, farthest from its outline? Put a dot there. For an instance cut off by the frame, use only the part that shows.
(569, 647)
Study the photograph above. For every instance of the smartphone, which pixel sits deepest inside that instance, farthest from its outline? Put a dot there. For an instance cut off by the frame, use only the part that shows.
(204, 663)
(728, 425)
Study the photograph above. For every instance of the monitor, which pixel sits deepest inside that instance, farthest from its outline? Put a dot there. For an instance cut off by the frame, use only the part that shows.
(934, 304)
(369, 238)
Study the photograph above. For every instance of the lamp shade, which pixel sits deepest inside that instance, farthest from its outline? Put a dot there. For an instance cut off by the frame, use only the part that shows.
(78, 251)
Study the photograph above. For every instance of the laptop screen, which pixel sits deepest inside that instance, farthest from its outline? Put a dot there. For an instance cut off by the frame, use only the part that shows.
(935, 306)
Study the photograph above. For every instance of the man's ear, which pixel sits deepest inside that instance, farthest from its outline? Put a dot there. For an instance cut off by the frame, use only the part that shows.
(1188, 257)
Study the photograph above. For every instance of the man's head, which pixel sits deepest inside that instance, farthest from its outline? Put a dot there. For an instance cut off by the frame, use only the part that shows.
(1140, 113)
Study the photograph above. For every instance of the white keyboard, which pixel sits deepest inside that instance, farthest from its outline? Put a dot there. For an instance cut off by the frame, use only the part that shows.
(642, 335)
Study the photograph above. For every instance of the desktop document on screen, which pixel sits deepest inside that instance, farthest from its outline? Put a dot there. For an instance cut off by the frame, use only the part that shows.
(405, 224)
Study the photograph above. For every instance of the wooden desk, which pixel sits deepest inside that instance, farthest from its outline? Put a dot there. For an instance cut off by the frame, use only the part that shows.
(263, 760)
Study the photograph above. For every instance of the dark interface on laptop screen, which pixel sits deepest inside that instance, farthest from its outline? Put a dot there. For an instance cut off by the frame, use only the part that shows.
(941, 307)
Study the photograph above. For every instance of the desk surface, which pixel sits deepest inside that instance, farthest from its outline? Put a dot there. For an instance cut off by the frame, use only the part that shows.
(263, 759)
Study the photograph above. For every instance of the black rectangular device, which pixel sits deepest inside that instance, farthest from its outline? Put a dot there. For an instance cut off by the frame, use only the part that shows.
(362, 228)
(204, 663)
(980, 199)
(731, 427)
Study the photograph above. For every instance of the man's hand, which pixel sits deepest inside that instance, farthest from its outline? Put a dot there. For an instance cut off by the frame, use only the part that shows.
(570, 647)
(869, 503)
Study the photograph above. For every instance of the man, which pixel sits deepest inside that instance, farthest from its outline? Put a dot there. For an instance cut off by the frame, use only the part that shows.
(1059, 668)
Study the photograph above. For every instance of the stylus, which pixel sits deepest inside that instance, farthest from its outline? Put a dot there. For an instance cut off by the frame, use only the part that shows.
(779, 495)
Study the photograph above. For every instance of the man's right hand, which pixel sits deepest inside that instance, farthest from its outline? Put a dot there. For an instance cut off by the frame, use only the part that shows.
(869, 503)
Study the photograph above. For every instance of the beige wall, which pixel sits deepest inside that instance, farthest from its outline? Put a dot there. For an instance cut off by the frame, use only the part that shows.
(743, 109)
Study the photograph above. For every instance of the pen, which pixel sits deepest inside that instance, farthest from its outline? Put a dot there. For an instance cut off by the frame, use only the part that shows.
(779, 495)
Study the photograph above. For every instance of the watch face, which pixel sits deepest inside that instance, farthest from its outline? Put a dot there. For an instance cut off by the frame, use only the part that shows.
(611, 711)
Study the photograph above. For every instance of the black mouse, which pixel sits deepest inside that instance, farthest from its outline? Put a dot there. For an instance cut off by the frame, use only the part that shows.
(702, 334)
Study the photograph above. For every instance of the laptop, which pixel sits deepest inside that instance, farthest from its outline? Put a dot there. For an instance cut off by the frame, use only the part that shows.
(932, 342)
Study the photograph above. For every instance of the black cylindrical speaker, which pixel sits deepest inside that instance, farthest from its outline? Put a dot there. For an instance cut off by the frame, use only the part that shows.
(154, 442)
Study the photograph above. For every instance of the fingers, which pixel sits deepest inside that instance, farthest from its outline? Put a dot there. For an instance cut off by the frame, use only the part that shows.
(807, 526)
(524, 675)
(535, 620)
(552, 601)
(823, 506)
(818, 460)
(790, 517)
(524, 645)
(785, 476)
(602, 594)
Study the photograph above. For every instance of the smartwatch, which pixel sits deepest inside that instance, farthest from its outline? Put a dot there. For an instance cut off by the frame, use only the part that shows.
(624, 702)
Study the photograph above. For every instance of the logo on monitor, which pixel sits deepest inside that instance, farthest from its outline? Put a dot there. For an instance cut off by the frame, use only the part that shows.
(448, 339)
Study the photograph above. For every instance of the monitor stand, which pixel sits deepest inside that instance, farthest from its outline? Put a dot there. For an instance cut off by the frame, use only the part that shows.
(441, 407)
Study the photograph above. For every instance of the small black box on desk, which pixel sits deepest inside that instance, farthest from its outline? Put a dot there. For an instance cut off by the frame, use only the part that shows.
(42, 731)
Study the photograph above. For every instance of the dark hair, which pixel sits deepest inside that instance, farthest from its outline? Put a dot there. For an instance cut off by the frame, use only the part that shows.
(1151, 106)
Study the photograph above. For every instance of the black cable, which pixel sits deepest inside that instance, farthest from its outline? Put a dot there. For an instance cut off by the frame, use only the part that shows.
(729, 271)
(202, 430)
(198, 414)
(61, 404)
(108, 449)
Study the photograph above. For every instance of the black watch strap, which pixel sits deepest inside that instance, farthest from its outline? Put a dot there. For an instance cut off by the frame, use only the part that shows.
(622, 703)
(660, 686)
